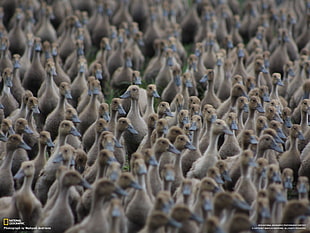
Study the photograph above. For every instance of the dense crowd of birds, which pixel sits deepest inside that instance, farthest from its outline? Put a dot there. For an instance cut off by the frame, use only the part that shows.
(155, 115)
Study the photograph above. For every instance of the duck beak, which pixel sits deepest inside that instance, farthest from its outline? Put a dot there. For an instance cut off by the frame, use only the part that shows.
(114, 176)
(234, 126)
(20, 174)
(169, 113)
(252, 163)
(196, 218)
(246, 108)
(207, 205)
(137, 80)
(213, 118)
(193, 126)
(241, 205)
(28, 130)
(260, 108)
(117, 143)
(276, 178)
(3, 138)
(188, 83)
(76, 119)
(116, 212)
(302, 189)
(265, 213)
(106, 116)
(132, 130)
(155, 94)
(135, 185)
(185, 120)
(121, 110)
(278, 139)
(68, 95)
(280, 83)
(253, 140)
(288, 122)
(266, 97)
(278, 118)
(142, 170)
(98, 74)
(204, 79)
(218, 180)
(126, 95)
(226, 176)
(169, 176)
(288, 184)
(172, 222)
(72, 162)
(177, 80)
(174, 150)
(49, 143)
(23, 145)
(58, 158)
(280, 133)
(9, 82)
(85, 184)
(189, 146)
(16, 65)
(276, 147)
(301, 136)
(186, 191)
(74, 132)
(109, 146)
(35, 109)
(1, 106)
(170, 61)
(153, 161)
(280, 198)
(228, 131)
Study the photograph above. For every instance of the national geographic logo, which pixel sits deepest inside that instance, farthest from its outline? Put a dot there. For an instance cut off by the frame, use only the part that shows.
(12, 221)
(5, 222)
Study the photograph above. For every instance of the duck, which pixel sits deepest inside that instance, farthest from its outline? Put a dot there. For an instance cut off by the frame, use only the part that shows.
(21, 111)
(46, 31)
(34, 76)
(165, 73)
(236, 91)
(302, 187)
(301, 208)
(123, 124)
(132, 142)
(7, 99)
(14, 142)
(103, 189)
(189, 24)
(139, 207)
(121, 77)
(90, 113)
(254, 105)
(17, 89)
(245, 185)
(61, 207)
(79, 83)
(47, 174)
(230, 147)
(192, 154)
(58, 114)
(209, 96)
(49, 90)
(291, 157)
(173, 87)
(44, 142)
(151, 92)
(209, 115)
(187, 218)
(103, 117)
(27, 204)
(16, 35)
(210, 156)
(72, 115)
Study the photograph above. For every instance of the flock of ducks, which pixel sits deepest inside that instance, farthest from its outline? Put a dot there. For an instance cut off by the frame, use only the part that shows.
(216, 139)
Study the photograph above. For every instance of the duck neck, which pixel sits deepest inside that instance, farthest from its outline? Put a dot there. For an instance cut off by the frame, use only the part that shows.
(96, 205)
(178, 167)
(63, 196)
(196, 137)
(26, 188)
(274, 92)
(213, 144)
(304, 120)
(141, 181)
(150, 105)
(240, 118)
(167, 186)
(134, 109)
(211, 88)
(6, 90)
(7, 162)
(41, 153)
(245, 172)
(293, 145)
